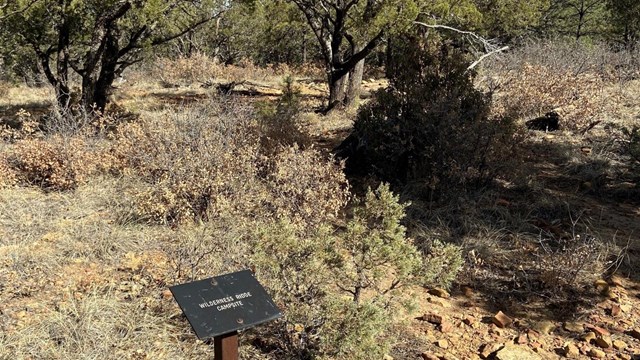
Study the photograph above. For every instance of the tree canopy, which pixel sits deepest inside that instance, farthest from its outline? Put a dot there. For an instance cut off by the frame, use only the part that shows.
(98, 39)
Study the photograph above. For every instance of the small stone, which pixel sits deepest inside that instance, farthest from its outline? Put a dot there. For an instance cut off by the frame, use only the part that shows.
(513, 352)
(522, 339)
(596, 353)
(634, 333)
(433, 318)
(615, 310)
(167, 294)
(501, 320)
(598, 330)
(470, 320)
(446, 327)
(626, 308)
(444, 344)
(487, 350)
(532, 334)
(495, 330)
(588, 337)
(439, 293)
(428, 356)
(571, 351)
(624, 356)
(619, 345)
(601, 285)
(573, 327)
(387, 357)
(544, 327)
(603, 342)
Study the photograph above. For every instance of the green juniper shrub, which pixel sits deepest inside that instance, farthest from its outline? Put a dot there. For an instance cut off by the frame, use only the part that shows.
(341, 288)
(279, 122)
(431, 127)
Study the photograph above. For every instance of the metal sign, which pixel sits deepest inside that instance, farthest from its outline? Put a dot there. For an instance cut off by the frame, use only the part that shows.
(225, 304)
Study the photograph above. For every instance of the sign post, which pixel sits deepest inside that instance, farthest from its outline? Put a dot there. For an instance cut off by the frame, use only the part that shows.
(221, 306)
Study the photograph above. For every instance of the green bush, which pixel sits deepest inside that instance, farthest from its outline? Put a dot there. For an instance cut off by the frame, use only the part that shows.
(340, 288)
(431, 127)
(279, 122)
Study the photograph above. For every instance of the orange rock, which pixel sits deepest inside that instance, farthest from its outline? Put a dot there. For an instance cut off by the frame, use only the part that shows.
(598, 330)
(433, 318)
(501, 320)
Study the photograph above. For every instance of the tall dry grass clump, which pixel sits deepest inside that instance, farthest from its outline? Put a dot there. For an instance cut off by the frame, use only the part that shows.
(202, 68)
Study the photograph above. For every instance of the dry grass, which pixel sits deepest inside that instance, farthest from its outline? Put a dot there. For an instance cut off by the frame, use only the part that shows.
(24, 96)
(77, 284)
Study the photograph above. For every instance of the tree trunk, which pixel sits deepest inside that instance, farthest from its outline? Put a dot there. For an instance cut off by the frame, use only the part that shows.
(355, 82)
(61, 83)
(97, 87)
(337, 89)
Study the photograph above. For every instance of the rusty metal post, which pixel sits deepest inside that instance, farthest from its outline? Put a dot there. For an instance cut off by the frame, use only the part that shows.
(225, 346)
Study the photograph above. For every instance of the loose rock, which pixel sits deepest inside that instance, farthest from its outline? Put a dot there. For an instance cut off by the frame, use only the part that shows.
(619, 345)
(573, 327)
(514, 352)
(444, 344)
(545, 327)
(615, 310)
(470, 320)
(571, 351)
(428, 356)
(634, 333)
(596, 353)
(598, 330)
(501, 320)
(433, 318)
(439, 293)
(588, 337)
(604, 342)
(487, 350)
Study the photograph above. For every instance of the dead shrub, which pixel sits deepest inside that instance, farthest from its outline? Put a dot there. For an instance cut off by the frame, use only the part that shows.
(306, 186)
(540, 77)
(201, 162)
(201, 68)
(55, 163)
(191, 163)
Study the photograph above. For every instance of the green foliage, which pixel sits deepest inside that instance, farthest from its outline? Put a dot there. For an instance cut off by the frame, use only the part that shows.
(507, 19)
(576, 18)
(431, 127)
(374, 255)
(625, 21)
(97, 40)
(355, 331)
(441, 264)
(340, 287)
(279, 122)
(266, 32)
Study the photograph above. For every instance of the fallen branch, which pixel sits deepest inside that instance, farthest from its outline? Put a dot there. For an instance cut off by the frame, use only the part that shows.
(486, 56)
(489, 48)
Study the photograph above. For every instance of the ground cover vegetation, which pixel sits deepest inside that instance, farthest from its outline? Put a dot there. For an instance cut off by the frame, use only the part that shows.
(391, 172)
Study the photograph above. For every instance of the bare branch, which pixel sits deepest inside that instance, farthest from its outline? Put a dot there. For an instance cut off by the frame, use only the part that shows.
(490, 48)
(475, 63)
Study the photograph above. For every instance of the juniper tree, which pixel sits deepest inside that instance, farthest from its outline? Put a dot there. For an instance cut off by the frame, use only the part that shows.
(98, 39)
